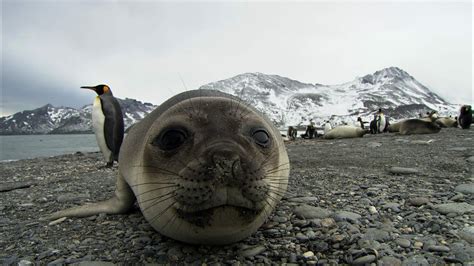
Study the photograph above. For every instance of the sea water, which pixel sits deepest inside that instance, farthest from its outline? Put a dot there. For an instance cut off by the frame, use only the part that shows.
(33, 146)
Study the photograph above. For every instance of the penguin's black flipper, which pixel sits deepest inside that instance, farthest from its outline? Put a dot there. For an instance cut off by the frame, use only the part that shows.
(113, 124)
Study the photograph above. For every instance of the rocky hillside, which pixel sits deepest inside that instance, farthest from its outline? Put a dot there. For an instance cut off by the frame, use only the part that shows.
(290, 102)
(66, 120)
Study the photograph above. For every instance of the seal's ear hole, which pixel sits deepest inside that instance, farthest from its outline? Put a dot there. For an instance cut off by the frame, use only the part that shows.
(261, 137)
(170, 139)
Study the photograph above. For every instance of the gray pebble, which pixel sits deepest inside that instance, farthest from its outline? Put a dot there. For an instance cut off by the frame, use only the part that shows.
(389, 261)
(418, 201)
(252, 251)
(364, 260)
(417, 260)
(347, 216)
(403, 170)
(376, 234)
(305, 211)
(465, 188)
(438, 249)
(467, 233)
(458, 208)
(404, 243)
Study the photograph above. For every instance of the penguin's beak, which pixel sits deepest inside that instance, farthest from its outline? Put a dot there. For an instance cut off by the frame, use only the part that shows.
(94, 88)
(88, 87)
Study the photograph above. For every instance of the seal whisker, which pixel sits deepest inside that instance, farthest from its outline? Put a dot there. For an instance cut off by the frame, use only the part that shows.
(152, 183)
(159, 168)
(170, 220)
(155, 189)
(153, 204)
(281, 192)
(276, 170)
(190, 98)
(160, 197)
(277, 183)
(162, 212)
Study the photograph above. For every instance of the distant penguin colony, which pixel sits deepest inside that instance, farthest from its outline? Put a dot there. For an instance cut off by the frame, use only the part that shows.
(107, 122)
(465, 117)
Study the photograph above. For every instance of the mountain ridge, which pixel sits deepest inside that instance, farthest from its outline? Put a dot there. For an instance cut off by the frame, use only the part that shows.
(284, 100)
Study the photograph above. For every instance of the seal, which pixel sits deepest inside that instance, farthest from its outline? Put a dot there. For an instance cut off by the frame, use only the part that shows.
(342, 132)
(418, 126)
(446, 122)
(395, 127)
(204, 167)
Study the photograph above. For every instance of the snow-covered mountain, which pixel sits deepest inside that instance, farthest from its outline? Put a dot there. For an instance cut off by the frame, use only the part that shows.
(285, 101)
(66, 120)
(290, 102)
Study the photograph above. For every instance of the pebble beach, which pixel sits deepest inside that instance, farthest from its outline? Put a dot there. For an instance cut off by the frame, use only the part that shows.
(383, 199)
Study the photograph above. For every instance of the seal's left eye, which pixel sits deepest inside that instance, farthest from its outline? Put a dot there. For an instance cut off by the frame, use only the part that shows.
(261, 137)
(170, 139)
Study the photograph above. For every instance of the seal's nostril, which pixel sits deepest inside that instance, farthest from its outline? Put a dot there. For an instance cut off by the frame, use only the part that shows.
(227, 163)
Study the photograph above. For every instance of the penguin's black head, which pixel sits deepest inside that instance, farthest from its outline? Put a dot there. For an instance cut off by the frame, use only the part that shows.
(100, 89)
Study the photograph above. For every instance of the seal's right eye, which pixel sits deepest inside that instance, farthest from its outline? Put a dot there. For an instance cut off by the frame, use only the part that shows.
(170, 139)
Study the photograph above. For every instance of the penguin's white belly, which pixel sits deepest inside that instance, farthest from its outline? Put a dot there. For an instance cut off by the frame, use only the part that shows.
(98, 121)
(381, 125)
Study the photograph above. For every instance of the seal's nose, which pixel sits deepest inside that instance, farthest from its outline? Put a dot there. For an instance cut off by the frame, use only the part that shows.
(228, 165)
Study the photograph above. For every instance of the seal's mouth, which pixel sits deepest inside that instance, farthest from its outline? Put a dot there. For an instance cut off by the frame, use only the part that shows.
(222, 197)
(205, 217)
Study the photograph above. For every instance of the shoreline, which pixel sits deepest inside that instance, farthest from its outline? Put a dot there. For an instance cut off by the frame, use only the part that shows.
(343, 206)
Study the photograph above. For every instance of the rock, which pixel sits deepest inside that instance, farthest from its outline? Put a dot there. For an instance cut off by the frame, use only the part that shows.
(422, 142)
(438, 249)
(252, 251)
(301, 237)
(403, 170)
(463, 253)
(328, 222)
(457, 149)
(467, 233)
(389, 261)
(458, 208)
(374, 144)
(418, 201)
(305, 211)
(376, 234)
(280, 219)
(418, 244)
(304, 199)
(25, 263)
(465, 188)
(364, 260)
(70, 197)
(308, 254)
(4, 187)
(470, 159)
(347, 216)
(372, 210)
(417, 260)
(94, 263)
(60, 220)
(404, 243)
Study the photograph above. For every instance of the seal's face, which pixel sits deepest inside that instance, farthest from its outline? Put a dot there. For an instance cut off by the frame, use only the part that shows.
(217, 171)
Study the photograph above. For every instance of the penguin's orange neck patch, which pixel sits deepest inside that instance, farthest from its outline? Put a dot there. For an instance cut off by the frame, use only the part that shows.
(106, 89)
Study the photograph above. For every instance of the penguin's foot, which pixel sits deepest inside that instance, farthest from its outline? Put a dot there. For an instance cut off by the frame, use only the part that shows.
(109, 164)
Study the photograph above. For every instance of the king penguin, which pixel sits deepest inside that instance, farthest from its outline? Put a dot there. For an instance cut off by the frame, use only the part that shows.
(107, 122)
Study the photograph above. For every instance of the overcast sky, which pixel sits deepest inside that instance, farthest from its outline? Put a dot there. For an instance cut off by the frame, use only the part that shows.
(141, 48)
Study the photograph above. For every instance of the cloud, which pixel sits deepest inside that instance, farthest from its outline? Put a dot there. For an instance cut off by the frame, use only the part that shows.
(141, 48)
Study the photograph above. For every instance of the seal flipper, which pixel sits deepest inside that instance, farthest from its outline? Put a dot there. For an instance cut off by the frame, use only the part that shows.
(121, 202)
